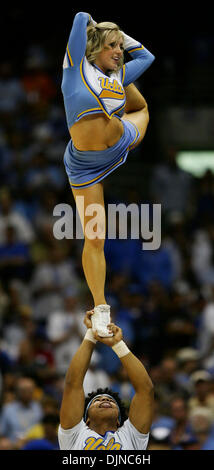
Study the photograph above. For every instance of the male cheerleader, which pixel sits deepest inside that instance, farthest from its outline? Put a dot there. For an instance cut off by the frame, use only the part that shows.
(99, 422)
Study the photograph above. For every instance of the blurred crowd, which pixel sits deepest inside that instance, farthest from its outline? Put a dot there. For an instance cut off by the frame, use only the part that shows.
(163, 300)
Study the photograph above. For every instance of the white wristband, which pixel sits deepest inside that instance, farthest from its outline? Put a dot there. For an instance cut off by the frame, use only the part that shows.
(121, 349)
(89, 336)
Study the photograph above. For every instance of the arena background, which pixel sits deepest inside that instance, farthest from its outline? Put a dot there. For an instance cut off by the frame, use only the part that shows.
(162, 299)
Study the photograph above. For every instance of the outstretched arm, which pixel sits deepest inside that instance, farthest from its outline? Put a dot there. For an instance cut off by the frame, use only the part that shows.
(141, 408)
(73, 401)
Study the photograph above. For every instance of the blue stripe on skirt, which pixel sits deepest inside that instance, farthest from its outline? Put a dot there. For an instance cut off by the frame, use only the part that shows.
(87, 168)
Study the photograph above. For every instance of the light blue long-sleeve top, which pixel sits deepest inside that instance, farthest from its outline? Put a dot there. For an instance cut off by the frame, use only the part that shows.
(86, 89)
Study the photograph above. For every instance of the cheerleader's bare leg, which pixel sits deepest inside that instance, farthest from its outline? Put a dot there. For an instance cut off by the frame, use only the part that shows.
(93, 258)
(136, 110)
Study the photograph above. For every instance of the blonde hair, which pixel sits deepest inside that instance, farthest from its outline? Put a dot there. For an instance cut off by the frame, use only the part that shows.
(96, 38)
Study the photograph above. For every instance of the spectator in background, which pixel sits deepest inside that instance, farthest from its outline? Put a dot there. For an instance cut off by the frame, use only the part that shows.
(44, 219)
(10, 216)
(160, 417)
(201, 420)
(121, 255)
(50, 278)
(206, 332)
(18, 295)
(18, 326)
(153, 265)
(150, 327)
(36, 358)
(171, 186)
(127, 313)
(65, 330)
(180, 330)
(204, 199)
(50, 423)
(178, 240)
(37, 431)
(41, 173)
(202, 397)
(10, 160)
(15, 260)
(0, 371)
(202, 255)
(187, 362)
(54, 388)
(117, 282)
(179, 413)
(173, 238)
(50, 132)
(22, 413)
(37, 81)
(159, 439)
(12, 94)
(167, 386)
(4, 302)
(9, 386)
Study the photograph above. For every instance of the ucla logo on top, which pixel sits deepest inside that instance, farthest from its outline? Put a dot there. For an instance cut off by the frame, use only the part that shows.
(98, 444)
(111, 89)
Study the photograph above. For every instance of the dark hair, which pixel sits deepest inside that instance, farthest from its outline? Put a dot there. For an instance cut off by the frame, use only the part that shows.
(50, 418)
(115, 395)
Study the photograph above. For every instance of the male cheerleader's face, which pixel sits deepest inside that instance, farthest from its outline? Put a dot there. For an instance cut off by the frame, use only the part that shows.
(102, 407)
(110, 56)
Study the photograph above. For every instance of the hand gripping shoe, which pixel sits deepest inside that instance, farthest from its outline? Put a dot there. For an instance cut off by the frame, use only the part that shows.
(100, 319)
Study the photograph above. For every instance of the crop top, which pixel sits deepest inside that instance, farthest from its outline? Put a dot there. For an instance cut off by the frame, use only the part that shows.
(86, 89)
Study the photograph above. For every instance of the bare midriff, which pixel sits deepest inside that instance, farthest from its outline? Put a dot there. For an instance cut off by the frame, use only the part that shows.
(96, 132)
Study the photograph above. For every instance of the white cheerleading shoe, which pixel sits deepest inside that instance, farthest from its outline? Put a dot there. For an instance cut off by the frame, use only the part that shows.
(100, 320)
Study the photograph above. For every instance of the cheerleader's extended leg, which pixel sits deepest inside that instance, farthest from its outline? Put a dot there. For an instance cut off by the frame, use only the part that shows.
(93, 258)
(136, 110)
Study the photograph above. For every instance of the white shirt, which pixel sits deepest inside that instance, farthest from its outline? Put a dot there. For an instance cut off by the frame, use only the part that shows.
(58, 324)
(81, 437)
(206, 333)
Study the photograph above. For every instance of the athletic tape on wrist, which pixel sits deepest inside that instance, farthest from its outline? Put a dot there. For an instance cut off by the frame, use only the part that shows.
(89, 335)
(121, 349)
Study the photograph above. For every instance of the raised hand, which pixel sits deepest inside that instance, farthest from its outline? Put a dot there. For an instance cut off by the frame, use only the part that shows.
(87, 319)
(111, 341)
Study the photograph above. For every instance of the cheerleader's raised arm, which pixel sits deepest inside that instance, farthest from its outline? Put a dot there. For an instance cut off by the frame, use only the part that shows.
(142, 59)
(77, 41)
